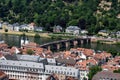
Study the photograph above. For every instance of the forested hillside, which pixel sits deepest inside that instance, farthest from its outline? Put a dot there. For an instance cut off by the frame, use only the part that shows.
(87, 14)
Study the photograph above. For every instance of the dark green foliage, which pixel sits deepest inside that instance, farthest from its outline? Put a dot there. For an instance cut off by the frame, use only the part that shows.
(47, 13)
(114, 52)
(37, 35)
(6, 30)
(93, 71)
(30, 52)
(117, 71)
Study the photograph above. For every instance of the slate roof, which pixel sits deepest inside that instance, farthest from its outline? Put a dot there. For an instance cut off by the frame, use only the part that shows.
(22, 64)
(73, 28)
(66, 61)
(106, 75)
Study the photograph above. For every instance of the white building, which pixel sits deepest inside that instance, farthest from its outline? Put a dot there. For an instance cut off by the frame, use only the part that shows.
(73, 29)
(29, 67)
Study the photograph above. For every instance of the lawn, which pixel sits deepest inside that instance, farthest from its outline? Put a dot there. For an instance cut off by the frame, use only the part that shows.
(26, 33)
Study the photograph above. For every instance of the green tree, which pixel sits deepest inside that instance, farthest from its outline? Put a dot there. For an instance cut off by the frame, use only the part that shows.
(117, 71)
(6, 30)
(93, 71)
(30, 52)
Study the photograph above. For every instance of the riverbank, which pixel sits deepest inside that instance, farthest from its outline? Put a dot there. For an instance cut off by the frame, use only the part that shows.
(104, 41)
(26, 33)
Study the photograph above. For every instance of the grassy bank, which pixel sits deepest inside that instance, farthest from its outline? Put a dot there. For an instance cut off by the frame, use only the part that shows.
(26, 33)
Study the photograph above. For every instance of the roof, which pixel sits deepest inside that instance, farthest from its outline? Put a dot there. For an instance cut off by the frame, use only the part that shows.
(66, 61)
(58, 27)
(110, 67)
(106, 75)
(103, 31)
(73, 28)
(32, 24)
(22, 64)
(10, 57)
(32, 58)
(51, 60)
(16, 24)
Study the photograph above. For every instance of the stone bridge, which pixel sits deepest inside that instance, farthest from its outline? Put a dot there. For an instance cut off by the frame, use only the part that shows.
(56, 45)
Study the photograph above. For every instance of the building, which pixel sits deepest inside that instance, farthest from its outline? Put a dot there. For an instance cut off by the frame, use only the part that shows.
(106, 75)
(10, 27)
(16, 26)
(103, 33)
(31, 26)
(73, 30)
(5, 25)
(57, 28)
(30, 67)
(39, 29)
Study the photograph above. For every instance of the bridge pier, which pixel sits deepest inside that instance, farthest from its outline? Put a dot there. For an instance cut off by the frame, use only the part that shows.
(75, 43)
(71, 43)
(49, 47)
(66, 44)
(58, 46)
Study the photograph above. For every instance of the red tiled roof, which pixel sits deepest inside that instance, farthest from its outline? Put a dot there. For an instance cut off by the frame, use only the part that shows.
(110, 67)
(106, 75)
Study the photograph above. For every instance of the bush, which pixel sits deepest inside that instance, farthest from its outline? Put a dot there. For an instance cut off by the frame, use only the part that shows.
(30, 52)
(6, 30)
(37, 35)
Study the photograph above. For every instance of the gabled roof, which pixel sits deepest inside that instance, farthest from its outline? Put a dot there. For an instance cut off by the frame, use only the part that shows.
(73, 28)
(32, 58)
(106, 75)
(22, 64)
(66, 61)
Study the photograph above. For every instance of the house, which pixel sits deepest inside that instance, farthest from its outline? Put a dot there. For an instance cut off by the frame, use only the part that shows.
(31, 26)
(24, 27)
(102, 57)
(118, 33)
(5, 25)
(10, 27)
(106, 75)
(38, 29)
(57, 28)
(103, 32)
(16, 26)
(73, 29)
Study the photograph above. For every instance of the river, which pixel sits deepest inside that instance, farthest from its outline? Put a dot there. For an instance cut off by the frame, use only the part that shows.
(13, 40)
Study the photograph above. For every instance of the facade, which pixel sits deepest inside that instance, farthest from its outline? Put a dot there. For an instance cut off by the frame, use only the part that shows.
(5, 25)
(10, 27)
(31, 26)
(27, 67)
(24, 27)
(103, 33)
(39, 29)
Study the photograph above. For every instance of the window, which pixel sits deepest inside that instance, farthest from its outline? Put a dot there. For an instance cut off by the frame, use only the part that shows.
(67, 72)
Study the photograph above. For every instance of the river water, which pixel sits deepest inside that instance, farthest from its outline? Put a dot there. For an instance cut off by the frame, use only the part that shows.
(13, 40)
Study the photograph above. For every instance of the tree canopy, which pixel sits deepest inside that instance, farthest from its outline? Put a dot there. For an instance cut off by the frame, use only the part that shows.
(47, 13)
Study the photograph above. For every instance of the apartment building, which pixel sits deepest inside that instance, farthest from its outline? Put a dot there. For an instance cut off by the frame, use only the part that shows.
(28, 67)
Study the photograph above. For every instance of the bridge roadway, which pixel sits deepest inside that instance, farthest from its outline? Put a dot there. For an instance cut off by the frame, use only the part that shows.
(61, 41)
